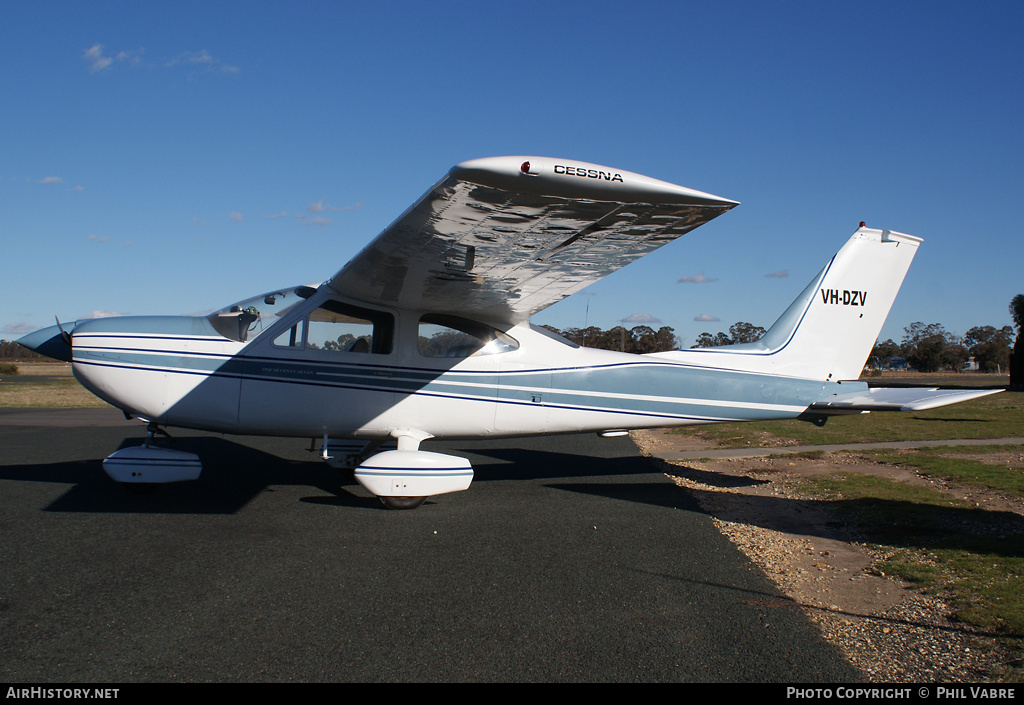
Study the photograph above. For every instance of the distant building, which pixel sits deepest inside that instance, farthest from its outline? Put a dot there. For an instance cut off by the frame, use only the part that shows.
(894, 364)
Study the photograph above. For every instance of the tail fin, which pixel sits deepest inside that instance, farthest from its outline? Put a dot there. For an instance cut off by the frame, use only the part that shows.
(828, 332)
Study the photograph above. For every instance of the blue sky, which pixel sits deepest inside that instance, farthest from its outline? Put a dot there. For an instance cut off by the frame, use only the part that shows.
(173, 158)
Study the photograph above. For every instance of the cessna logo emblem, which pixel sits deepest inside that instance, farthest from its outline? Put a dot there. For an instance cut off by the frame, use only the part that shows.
(844, 297)
(587, 173)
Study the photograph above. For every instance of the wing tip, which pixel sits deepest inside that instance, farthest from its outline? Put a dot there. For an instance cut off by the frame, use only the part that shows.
(575, 179)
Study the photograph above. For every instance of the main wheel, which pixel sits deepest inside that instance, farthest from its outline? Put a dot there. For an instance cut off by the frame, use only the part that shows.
(141, 487)
(402, 502)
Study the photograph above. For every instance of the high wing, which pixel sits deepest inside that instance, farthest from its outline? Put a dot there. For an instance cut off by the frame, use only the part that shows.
(504, 237)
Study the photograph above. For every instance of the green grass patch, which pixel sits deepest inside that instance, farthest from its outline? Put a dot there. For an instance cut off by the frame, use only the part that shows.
(995, 416)
(973, 558)
(947, 463)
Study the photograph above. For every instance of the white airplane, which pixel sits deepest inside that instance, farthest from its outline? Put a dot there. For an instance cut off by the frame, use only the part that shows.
(426, 333)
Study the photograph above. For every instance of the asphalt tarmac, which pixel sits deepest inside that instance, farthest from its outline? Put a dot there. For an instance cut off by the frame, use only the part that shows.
(569, 559)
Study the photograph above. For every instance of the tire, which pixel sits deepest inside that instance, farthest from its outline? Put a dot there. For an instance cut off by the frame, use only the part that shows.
(402, 502)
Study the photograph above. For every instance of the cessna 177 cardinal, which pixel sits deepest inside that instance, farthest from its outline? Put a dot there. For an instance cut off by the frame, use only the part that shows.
(426, 333)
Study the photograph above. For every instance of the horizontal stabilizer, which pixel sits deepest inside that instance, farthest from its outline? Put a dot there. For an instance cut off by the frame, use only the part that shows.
(897, 399)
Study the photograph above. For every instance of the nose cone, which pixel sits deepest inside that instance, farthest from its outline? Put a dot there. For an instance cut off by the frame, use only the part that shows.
(48, 341)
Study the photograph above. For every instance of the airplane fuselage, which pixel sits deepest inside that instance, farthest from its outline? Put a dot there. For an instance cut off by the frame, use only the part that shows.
(179, 371)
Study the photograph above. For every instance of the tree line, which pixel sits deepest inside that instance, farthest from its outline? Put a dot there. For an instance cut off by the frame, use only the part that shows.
(924, 347)
(638, 340)
(740, 332)
(931, 348)
(9, 350)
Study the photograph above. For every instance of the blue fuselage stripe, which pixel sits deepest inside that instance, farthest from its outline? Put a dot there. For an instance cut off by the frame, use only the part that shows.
(651, 388)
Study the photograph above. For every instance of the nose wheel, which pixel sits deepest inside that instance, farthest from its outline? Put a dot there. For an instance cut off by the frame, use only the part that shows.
(143, 467)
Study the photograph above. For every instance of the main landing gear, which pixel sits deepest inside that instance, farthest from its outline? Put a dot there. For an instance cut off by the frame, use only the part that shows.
(402, 478)
(402, 502)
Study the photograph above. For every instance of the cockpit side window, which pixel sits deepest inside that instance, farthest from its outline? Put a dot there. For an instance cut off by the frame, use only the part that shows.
(450, 336)
(343, 327)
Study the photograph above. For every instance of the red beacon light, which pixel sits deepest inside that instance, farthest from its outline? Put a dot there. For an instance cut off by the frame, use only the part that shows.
(525, 168)
(863, 224)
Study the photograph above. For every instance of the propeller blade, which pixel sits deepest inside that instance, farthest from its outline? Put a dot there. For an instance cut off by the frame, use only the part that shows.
(63, 333)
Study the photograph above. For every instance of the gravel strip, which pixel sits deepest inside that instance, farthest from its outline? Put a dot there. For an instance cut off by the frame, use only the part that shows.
(912, 641)
(891, 634)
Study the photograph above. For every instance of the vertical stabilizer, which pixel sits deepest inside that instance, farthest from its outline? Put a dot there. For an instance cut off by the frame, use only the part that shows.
(828, 332)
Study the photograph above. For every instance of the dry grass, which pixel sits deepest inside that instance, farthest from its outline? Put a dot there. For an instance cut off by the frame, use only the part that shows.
(44, 369)
(46, 385)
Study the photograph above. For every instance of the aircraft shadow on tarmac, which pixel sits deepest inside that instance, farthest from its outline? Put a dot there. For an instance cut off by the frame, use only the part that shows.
(235, 472)
(920, 525)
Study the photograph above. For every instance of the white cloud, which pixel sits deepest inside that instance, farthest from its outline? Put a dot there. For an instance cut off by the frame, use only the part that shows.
(201, 59)
(51, 180)
(781, 274)
(193, 57)
(315, 220)
(18, 329)
(320, 207)
(705, 318)
(197, 314)
(696, 279)
(98, 61)
(640, 318)
(99, 313)
(105, 238)
(274, 216)
(236, 216)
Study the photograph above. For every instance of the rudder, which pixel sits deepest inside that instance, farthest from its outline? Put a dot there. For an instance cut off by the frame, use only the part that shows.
(829, 331)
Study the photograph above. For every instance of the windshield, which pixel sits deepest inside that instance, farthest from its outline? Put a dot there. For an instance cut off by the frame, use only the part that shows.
(248, 319)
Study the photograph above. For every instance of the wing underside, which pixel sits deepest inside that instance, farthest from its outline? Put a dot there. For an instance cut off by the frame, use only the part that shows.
(506, 237)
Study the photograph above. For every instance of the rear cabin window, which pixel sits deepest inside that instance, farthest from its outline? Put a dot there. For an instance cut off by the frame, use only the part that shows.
(450, 336)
